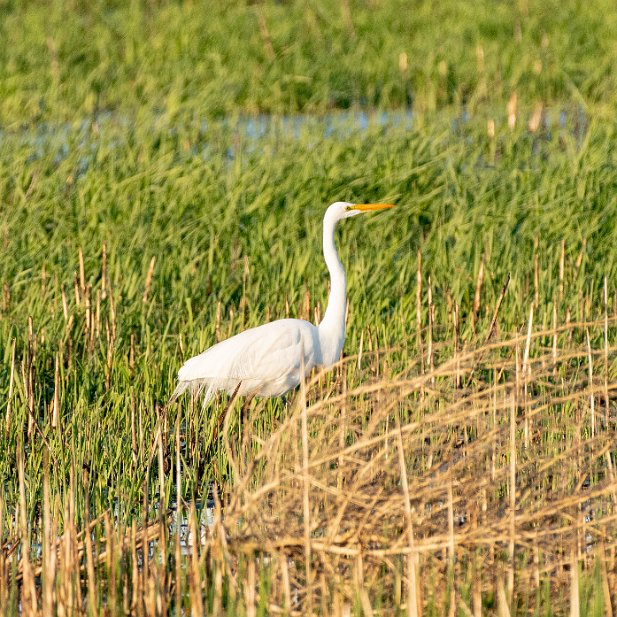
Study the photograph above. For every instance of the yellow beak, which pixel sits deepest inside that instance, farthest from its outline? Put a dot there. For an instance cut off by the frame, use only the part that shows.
(368, 207)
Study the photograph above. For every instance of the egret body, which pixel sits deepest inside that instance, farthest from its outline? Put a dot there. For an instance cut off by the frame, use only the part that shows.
(272, 359)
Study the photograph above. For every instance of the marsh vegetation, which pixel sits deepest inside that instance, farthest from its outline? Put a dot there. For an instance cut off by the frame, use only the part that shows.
(162, 185)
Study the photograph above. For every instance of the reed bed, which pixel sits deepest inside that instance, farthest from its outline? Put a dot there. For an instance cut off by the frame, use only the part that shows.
(485, 485)
(468, 488)
(460, 459)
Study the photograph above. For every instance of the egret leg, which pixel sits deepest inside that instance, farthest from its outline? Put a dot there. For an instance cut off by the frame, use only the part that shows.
(287, 401)
(232, 400)
(245, 407)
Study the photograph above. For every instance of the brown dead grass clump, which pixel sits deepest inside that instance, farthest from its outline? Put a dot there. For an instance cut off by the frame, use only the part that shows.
(471, 484)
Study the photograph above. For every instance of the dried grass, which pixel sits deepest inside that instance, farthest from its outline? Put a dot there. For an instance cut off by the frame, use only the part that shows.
(405, 495)
(507, 471)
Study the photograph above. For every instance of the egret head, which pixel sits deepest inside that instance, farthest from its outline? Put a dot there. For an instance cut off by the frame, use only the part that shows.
(344, 209)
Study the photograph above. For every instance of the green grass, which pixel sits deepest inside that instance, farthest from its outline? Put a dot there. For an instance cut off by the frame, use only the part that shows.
(192, 60)
(125, 146)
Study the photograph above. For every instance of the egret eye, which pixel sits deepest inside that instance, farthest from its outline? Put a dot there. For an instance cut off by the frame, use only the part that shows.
(348, 208)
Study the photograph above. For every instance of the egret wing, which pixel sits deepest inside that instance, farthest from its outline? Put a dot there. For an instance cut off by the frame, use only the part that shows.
(284, 349)
(268, 360)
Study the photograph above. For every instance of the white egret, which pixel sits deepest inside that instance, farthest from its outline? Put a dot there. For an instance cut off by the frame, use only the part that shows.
(272, 359)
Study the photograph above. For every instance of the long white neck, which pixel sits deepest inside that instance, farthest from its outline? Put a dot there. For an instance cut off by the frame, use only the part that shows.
(332, 326)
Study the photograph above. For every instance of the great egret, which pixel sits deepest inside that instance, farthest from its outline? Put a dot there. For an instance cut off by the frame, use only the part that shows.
(272, 359)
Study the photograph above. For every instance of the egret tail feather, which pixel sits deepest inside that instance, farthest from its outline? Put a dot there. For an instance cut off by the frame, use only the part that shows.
(180, 389)
(197, 387)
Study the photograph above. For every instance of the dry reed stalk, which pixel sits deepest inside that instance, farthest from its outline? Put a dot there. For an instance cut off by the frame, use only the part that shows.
(4, 584)
(177, 549)
(112, 314)
(360, 586)
(76, 289)
(526, 371)
(110, 561)
(73, 543)
(9, 399)
(97, 319)
(431, 309)
(26, 382)
(82, 273)
(88, 321)
(49, 552)
(535, 119)
(611, 475)
(605, 333)
(575, 604)
(503, 604)
(457, 336)
(249, 587)
(282, 562)
(579, 258)
(451, 550)
(137, 592)
(606, 588)
(592, 408)
(196, 583)
(145, 553)
(554, 337)
(55, 418)
(132, 353)
(314, 544)
(536, 274)
(104, 270)
(65, 307)
(92, 586)
(305, 493)
(342, 432)
(360, 348)
(148, 281)
(413, 610)
(217, 603)
(419, 307)
(511, 110)
(495, 316)
(28, 595)
(65, 591)
(562, 269)
(477, 298)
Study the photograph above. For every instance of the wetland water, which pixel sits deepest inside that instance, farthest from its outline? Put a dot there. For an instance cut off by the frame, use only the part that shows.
(84, 135)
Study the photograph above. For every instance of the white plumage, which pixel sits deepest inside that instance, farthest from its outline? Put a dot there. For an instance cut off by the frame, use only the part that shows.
(272, 359)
